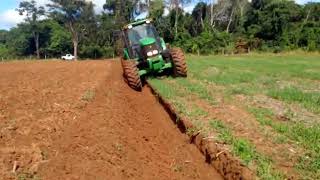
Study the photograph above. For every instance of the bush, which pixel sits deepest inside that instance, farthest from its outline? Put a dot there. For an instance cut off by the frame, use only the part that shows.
(207, 42)
(91, 51)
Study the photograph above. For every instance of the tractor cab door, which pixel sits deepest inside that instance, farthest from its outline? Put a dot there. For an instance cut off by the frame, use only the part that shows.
(133, 43)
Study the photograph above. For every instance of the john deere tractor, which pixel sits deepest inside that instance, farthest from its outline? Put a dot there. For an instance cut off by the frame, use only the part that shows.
(145, 53)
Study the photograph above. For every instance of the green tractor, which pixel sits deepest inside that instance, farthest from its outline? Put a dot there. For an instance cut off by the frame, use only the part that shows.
(145, 53)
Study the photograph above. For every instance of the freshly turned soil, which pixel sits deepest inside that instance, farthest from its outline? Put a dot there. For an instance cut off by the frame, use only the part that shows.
(80, 120)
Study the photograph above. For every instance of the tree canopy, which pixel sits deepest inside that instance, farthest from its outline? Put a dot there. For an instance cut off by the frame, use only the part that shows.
(211, 27)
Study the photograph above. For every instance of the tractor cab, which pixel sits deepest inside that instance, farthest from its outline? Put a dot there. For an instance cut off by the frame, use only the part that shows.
(145, 53)
(142, 40)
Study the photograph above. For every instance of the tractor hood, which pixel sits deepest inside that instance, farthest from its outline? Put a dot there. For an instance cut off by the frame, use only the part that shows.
(146, 41)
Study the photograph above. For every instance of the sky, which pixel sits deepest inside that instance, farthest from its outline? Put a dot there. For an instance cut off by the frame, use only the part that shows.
(9, 17)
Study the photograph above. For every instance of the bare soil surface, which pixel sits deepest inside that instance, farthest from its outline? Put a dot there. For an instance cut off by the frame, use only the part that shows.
(79, 120)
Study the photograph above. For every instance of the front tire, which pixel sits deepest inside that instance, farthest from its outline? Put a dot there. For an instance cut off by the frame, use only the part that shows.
(131, 74)
(179, 62)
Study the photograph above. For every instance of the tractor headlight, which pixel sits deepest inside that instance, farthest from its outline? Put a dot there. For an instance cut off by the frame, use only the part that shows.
(155, 52)
(149, 54)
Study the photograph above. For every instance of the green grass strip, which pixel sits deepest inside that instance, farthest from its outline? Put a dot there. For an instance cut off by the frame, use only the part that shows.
(307, 136)
(247, 152)
(196, 88)
(311, 101)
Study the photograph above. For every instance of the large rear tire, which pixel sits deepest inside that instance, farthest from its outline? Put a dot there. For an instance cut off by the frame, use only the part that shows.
(131, 74)
(179, 62)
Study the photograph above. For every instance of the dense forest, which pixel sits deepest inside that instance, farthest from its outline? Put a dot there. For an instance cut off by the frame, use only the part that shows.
(212, 27)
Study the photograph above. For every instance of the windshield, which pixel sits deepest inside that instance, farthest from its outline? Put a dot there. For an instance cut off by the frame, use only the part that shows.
(138, 32)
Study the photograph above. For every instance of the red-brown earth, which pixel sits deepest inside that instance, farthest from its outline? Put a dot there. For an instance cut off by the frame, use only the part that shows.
(79, 120)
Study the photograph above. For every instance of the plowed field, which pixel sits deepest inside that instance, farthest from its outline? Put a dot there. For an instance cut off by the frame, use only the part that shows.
(79, 120)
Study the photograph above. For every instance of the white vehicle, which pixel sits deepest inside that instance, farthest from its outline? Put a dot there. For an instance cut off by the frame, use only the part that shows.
(68, 57)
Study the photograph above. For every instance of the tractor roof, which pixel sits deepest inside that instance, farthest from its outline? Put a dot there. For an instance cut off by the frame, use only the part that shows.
(137, 23)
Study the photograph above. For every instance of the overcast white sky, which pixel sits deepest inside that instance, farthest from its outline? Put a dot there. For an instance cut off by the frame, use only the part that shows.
(9, 17)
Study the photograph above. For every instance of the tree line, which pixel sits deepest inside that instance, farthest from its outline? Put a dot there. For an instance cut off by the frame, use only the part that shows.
(213, 26)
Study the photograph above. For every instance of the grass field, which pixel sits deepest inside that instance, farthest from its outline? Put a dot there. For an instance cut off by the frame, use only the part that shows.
(265, 108)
